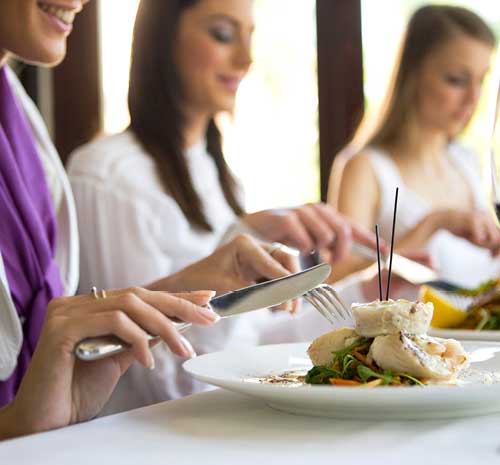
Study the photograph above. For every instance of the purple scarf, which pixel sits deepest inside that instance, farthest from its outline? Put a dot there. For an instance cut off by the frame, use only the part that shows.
(28, 230)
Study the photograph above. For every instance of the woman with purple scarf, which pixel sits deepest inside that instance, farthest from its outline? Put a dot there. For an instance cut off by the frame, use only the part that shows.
(42, 386)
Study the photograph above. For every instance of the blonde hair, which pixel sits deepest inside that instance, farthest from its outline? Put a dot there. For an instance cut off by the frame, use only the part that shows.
(428, 28)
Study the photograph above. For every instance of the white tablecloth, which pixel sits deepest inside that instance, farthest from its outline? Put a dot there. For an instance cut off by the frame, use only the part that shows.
(222, 428)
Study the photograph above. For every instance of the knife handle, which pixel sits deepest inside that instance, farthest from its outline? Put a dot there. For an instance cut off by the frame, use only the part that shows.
(95, 348)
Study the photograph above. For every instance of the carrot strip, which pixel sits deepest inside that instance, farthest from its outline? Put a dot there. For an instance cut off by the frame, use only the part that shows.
(373, 383)
(362, 347)
(362, 358)
(343, 382)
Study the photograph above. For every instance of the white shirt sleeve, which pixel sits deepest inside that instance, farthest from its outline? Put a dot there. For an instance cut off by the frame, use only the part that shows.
(11, 333)
(118, 231)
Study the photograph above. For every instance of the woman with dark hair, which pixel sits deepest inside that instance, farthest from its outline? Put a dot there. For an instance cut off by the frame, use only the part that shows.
(42, 385)
(445, 56)
(162, 193)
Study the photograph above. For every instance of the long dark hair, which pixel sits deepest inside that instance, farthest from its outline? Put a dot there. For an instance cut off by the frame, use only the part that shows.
(155, 103)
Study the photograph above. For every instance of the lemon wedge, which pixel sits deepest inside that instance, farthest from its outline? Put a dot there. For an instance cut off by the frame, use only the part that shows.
(446, 315)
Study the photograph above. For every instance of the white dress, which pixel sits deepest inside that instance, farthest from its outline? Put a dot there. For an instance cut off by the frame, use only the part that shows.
(457, 259)
(132, 232)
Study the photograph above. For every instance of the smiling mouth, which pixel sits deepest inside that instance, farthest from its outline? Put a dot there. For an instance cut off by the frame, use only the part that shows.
(65, 15)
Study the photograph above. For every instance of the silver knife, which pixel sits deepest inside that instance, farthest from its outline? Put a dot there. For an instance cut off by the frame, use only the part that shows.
(243, 300)
(407, 269)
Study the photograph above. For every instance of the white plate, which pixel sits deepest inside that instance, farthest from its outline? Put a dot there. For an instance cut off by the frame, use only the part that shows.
(466, 334)
(230, 370)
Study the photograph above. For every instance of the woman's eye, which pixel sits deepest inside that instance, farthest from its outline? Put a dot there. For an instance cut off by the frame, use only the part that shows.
(456, 80)
(221, 35)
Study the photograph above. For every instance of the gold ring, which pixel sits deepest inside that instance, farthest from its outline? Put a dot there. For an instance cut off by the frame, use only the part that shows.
(93, 291)
(274, 247)
(98, 295)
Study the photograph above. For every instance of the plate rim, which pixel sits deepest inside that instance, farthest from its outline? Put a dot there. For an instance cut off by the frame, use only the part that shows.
(187, 366)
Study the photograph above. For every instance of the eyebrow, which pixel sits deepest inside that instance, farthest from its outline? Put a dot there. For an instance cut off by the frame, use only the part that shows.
(223, 17)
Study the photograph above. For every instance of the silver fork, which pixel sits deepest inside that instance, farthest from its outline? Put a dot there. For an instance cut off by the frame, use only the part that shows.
(327, 301)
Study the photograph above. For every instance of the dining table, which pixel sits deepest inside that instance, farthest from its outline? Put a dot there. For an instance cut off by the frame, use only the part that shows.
(225, 428)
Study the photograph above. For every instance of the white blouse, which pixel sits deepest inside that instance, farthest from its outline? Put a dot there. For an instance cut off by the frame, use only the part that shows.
(457, 259)
(133, 232)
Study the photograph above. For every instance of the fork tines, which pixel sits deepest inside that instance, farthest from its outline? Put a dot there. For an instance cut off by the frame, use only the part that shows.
(325, 299)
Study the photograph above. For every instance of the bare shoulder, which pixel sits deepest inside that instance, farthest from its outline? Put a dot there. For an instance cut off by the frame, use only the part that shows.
(358, 188)
(357, 176)
(350, 166)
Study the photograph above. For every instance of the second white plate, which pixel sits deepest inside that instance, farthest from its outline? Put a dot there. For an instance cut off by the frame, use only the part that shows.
(466, 334)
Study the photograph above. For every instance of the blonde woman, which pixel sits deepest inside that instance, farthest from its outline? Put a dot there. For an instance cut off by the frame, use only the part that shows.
(445, 56)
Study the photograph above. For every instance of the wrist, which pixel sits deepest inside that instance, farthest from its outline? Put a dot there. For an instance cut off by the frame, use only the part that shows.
(433, 222)
(11, 422)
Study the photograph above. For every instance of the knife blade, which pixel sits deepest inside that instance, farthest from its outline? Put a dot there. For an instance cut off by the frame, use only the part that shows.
(407, 269)
(247, 299)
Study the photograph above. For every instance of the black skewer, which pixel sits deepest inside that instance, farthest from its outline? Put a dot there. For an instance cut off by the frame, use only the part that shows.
(378, 261)
(392, 243)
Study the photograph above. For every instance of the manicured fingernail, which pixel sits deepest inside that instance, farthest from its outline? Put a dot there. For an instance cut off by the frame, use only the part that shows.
(152, 364)
(189, 351)
(207, 312)
(203, 293)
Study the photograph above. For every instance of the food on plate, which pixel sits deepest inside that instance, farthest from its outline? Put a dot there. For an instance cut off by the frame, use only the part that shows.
(448, 310)
(391, 317)
(388, 346)
(477, 309)
(320, 351)
(421, 356)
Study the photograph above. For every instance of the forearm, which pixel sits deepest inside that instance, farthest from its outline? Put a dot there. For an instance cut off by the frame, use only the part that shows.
(418, 237)
(9, 423)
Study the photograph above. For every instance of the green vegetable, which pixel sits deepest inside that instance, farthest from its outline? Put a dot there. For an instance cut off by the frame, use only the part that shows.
(340, 354)
(488, 321)
(482, 288)
(365, 373)
(411, 378)
(346, 366)
(321, 374)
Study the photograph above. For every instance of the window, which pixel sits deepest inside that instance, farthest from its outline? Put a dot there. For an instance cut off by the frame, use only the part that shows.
(378, 66)
(272, 141)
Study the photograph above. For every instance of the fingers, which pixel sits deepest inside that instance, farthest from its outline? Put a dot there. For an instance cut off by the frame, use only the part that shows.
(295, 233)
(254, 262)
(492, 233)
(318, 225)
(287, 259)
(112, 322)
(149, 311)
(148, 318)
(483, 231)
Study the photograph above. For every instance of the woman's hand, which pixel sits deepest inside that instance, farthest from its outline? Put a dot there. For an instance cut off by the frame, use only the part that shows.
(241, 262)
(477, 227)
(315, 226)
(59, 389)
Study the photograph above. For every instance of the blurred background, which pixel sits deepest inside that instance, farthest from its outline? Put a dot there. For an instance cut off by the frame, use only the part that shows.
(341, 50)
